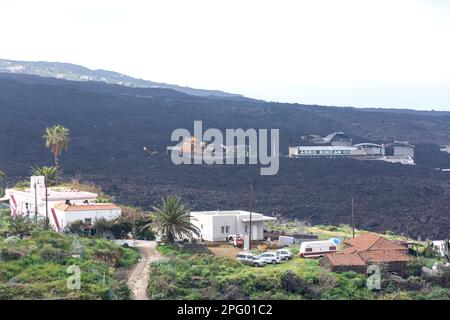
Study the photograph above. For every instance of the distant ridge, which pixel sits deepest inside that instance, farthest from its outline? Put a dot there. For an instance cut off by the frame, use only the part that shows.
(75, 72)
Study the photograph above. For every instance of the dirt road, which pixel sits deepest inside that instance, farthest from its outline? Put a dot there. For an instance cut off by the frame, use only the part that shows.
(138, 278)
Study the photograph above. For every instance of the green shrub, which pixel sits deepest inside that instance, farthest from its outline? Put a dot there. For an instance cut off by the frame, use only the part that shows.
(128, 257)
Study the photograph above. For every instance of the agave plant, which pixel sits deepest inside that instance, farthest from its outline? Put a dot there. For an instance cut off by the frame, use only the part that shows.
(51, 174)
(20, 226)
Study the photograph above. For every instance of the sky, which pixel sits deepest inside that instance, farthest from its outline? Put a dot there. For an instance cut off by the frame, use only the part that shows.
(361, 53)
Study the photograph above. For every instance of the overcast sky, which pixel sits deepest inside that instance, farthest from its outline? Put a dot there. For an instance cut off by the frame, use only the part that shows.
(380, 53)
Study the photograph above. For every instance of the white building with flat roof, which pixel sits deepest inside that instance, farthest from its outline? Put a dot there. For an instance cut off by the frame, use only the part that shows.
(218, 225)
(62, 205)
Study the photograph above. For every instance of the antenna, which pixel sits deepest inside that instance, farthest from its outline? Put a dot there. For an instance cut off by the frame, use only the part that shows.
(353, 218)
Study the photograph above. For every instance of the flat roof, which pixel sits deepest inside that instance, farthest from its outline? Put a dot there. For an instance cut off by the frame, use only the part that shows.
(224, 213)
(57, 194)
(327, 148)
(257, 219)
(86, 207)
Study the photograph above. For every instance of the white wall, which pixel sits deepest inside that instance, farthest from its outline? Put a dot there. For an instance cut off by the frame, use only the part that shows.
(403, 151)
(204, 223)
(67, 217)
(211, 225)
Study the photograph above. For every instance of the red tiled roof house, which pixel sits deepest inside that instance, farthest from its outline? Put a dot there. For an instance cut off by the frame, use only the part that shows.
(365, 250)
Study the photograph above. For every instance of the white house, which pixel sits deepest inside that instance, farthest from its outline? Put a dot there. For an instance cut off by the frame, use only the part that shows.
(64, 214)
(217, 225)
(62, 205)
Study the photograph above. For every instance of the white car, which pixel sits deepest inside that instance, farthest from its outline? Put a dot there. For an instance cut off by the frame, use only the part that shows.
(270, 257)
(284, 254)
(250, 259)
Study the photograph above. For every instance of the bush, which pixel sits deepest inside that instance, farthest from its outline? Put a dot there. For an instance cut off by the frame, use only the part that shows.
(49, 252)
(9, 254)
(128, 258)
(36, 268)
(442, 278)
(414, 268)
(430, 251)
(232, 292)
(75, 227)
(292, 283)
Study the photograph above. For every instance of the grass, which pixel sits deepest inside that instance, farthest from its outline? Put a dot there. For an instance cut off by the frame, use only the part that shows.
(37, 267)
(201, 275)
(188, 275)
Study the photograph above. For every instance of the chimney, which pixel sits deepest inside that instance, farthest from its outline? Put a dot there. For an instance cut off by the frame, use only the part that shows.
(37, 184)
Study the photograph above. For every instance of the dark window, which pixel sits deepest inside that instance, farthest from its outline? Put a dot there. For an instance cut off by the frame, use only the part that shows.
(308, 249)
(332, 248)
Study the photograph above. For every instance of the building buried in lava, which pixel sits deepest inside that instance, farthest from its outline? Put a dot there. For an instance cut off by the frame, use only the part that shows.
(338, 145)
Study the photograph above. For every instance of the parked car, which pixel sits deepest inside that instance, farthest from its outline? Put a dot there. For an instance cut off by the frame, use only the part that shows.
(315, 249)
(284, 254)
(250, 259)
(270, 257)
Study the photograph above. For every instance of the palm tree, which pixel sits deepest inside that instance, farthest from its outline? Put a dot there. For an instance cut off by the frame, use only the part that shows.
(51, 174)
(57, 139)
(172, 219)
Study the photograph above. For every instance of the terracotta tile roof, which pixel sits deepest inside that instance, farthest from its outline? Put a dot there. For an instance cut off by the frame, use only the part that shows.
(384, 256)
(371, 241)
(345, 259)
(369, 248)
(86, 207)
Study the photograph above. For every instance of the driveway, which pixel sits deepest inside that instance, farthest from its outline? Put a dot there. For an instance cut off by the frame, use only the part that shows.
(139, 276)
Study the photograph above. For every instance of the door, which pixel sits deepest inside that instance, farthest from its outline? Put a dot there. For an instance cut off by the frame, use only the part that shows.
(254, 232)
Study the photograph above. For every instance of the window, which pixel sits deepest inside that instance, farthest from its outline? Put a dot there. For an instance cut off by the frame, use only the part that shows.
(225, 229)
(308, 250)
(246, 229)
(332, 248)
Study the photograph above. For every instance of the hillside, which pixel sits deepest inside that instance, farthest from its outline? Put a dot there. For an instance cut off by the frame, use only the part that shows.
(39, 267)
(75, 72)
(110, 124)
(197, 273)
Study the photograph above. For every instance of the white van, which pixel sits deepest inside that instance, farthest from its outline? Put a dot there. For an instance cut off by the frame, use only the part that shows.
(314, 249)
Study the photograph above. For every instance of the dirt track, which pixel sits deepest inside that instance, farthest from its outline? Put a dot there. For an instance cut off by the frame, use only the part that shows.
(139, 276)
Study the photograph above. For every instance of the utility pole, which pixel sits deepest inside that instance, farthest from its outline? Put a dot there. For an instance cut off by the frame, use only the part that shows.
(46, 204)
(353, 218)
(251, 209)
(35, 203)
